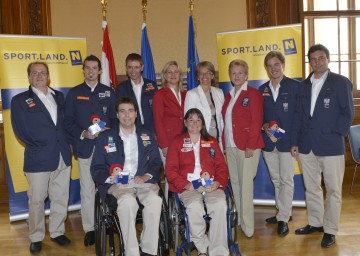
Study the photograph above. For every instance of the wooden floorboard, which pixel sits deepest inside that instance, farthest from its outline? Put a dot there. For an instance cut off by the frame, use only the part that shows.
(14, 236)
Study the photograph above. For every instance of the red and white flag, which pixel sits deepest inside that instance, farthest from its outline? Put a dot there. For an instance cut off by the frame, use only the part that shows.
(108, 75)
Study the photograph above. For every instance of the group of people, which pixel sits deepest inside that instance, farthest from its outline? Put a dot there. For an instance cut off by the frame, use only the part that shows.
(188, 133)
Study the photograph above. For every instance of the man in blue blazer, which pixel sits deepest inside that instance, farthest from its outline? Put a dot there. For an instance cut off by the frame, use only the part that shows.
(280, 98)
(84, 102)
(37, 120)
(132, 150)
(325, 113)
(140, 89)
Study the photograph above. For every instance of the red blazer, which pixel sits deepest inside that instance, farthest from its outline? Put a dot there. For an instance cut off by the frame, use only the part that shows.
(247, 117)
(180, 162)
(168, 116)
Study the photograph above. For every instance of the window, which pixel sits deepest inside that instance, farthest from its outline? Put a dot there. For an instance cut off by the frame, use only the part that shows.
(333, 23)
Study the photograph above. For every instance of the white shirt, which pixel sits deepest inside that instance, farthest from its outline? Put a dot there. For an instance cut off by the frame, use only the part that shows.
(229, 136)
(91, 88)
(131, 152)
(316, 87)
(137, 88)
(49, 102)
(275, 92)
(178, 96)
(197, 168)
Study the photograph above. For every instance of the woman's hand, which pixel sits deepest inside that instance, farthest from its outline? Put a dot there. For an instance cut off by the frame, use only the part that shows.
(164, 151)
(214, 186)
(189, 187)
(249, 152)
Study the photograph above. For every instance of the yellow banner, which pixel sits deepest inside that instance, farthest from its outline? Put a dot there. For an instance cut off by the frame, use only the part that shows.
(252, 46)
(64, 57)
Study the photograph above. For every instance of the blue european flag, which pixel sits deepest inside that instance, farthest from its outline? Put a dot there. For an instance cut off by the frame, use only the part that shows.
(193, 58)
(149, 70)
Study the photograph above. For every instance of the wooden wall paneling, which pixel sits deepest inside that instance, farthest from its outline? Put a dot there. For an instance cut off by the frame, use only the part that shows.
(263, 13)
(26, 17)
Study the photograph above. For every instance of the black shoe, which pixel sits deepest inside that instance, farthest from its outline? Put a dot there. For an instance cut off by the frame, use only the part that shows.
(328, 240)
(283, 228)
(308, 230)
(61, 240)
(146, 254)
(35, 247)
(89, 238)
(273, 220)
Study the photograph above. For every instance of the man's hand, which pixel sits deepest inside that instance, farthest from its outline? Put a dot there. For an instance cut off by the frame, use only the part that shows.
(86, 134)
(294, 150)
(141, 179)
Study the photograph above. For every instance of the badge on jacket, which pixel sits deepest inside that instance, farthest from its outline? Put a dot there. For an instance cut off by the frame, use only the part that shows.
(245, 102)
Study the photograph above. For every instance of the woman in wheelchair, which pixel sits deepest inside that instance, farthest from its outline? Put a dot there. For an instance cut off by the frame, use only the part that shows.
(192, 153)
(126, 164)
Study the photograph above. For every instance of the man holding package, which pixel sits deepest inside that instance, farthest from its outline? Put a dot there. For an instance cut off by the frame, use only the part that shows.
(88, 104)
(126, 164)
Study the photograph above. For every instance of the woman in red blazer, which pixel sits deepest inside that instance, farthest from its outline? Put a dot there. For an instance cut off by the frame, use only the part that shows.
(193, 153)
(243, 114)
(168, 107)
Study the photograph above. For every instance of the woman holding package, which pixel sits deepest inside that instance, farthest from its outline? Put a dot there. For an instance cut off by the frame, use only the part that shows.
(243, 116)
(208, 99)
(194, 154)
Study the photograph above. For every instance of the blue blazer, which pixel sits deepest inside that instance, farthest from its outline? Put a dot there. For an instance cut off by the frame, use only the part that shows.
(147, 93)
(44, 141)
(81, 103)
(324, 132)
(149, 160)
(282, 111)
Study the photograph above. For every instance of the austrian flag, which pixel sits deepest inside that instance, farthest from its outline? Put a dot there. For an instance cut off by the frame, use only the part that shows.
(108, 75)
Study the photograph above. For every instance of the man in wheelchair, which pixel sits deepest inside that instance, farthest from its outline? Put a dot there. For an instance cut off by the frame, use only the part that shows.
(126, 164)
(192, 154)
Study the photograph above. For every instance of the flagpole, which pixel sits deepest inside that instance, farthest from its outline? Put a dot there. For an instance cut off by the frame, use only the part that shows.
(144, 10)
(104, 4)
(191, 6)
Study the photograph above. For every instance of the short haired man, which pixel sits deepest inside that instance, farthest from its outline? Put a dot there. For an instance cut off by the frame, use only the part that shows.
(325, 114)
(82, 102)
(280, 95)
(37, 120)
(135, 150)
(140, 89)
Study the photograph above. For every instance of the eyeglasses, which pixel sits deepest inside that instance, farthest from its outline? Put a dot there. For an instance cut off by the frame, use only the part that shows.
(206, 74)
(37, 73)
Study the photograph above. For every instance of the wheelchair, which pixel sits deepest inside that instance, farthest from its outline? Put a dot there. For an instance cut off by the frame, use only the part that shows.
(180, 226)
(107, 229)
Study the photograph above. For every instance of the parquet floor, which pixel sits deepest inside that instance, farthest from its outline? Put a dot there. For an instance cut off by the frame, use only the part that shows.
(14, 236)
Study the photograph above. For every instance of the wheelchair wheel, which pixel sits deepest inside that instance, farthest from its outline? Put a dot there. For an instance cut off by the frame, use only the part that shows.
(232, 220)
(165, 236)
(174, 221)
(100, 227)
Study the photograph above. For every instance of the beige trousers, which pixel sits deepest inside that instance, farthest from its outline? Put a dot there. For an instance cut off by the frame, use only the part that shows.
(332, 168)
(216, 208)
(54, 184)
(242, 173)
(87, 194)
(281, 167)
(127, 210)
